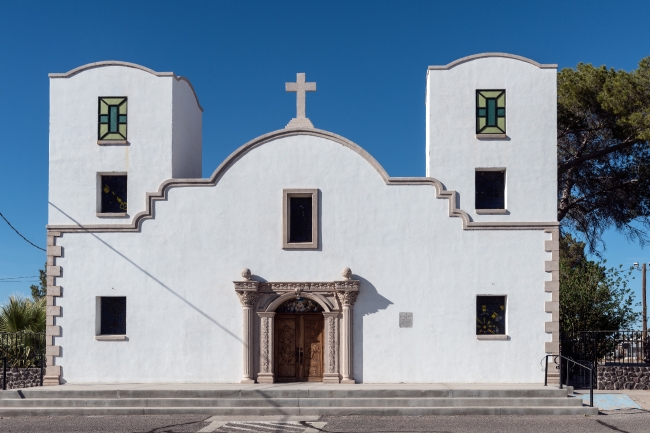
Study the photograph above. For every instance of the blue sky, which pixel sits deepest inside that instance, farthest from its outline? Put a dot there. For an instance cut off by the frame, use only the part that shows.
(369, 59)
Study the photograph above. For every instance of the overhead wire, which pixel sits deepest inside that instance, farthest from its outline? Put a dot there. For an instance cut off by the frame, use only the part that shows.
(19, 234)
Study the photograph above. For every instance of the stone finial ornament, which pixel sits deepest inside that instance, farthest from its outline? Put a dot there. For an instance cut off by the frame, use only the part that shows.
(347, 273)
(246, 273)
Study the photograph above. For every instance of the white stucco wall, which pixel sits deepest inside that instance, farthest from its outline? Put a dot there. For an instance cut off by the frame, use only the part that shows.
(187, 129)
(153, 124)
(184, 320)
(528, 152)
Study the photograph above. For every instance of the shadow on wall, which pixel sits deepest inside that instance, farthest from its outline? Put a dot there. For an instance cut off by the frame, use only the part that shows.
(369, 302)
(156, 280)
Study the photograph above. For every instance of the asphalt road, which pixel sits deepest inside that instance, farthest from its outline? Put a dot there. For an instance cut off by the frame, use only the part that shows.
(629, 422)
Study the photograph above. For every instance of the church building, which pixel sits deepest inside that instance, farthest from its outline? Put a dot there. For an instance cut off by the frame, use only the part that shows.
(299, 258)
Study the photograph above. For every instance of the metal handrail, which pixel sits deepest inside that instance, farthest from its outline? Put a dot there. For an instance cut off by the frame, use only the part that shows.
(591, 374)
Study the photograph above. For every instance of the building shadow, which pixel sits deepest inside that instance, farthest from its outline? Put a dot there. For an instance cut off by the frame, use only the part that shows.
(369, 302)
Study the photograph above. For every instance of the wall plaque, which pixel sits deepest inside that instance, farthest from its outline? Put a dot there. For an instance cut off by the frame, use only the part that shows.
(405, 320)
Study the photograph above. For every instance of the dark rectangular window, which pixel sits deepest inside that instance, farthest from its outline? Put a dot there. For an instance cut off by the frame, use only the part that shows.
(113, 315)
(300, 219)
(490, 315)
(490, 189)
(113, 191)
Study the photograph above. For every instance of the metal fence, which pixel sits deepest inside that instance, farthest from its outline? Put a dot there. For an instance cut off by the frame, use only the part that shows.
(22, 350)
(603, 348)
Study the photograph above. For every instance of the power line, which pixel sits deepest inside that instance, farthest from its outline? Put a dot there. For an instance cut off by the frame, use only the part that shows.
(17, 278)
(14, 229)
(27, 281)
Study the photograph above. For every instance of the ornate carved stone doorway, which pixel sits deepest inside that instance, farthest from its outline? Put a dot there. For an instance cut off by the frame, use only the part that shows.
(332, 303)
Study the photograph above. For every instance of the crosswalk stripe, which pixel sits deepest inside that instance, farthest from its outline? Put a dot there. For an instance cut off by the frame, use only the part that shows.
(212, 427)
(263, 426)
(316, 427)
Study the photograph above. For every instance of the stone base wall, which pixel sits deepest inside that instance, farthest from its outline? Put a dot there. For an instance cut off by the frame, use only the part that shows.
(623, 377)
(22, 377)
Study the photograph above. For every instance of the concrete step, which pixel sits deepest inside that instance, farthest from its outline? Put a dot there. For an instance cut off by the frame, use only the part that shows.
(286, 393)
(288, 403)
(340, 411)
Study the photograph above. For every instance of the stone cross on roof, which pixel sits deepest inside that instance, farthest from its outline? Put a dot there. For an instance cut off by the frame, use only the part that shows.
(300, 87)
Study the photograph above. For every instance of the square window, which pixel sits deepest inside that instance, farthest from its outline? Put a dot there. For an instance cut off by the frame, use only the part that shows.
(113, 315)
(300, 218)
(112, 118)
(490, 111)
(113, 190)
(490, 315)
(490, 189)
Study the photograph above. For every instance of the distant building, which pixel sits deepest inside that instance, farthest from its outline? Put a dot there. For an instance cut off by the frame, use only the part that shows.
(299, 258)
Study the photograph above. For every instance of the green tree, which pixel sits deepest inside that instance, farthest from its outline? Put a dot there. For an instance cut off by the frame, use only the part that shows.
(23, 315)
(40, 291)
(603, 134)
(592, 296)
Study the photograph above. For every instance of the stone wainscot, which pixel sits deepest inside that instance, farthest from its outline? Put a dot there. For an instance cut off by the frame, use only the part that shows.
(623, 377)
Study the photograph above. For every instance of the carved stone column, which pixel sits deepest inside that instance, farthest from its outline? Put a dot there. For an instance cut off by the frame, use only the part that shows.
(267, 351)
(347, 299)
(248, 296)
(331, 374)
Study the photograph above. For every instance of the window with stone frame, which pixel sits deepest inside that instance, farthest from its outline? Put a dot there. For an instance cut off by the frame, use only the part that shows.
(490, 111)
(113, 190)
(300, 218)
(113, 315)
(490, 189)
(490, 315)
(112, 118)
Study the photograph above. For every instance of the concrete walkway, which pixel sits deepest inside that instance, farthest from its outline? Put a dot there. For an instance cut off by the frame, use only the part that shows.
(641, 397)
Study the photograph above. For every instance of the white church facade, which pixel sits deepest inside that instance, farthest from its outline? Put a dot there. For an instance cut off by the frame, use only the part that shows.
(300, 258)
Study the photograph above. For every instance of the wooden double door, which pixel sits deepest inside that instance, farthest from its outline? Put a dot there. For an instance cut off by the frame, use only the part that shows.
(299, 347)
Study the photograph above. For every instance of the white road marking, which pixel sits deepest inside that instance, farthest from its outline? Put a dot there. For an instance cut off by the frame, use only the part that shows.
(262, 418)
(264, 426)
(317, 427)
(212, 426)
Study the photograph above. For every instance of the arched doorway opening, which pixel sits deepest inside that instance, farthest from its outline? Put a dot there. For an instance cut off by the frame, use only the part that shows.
(299, 341)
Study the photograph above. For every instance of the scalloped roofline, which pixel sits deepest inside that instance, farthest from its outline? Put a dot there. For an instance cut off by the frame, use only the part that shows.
(440, 191)
(485, 55)
(87, 66)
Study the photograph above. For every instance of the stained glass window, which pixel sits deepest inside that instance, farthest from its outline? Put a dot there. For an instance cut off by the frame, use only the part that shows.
(490, 315)
(490, 111)
(113, 315)
(300, 305)
(490, 189)
(300, 213)
(113, 191)
(112, 118)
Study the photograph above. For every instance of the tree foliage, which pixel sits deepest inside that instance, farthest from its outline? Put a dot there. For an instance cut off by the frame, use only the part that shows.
(603, 151)
(21, 314)
(592, 296)
(40, 291)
